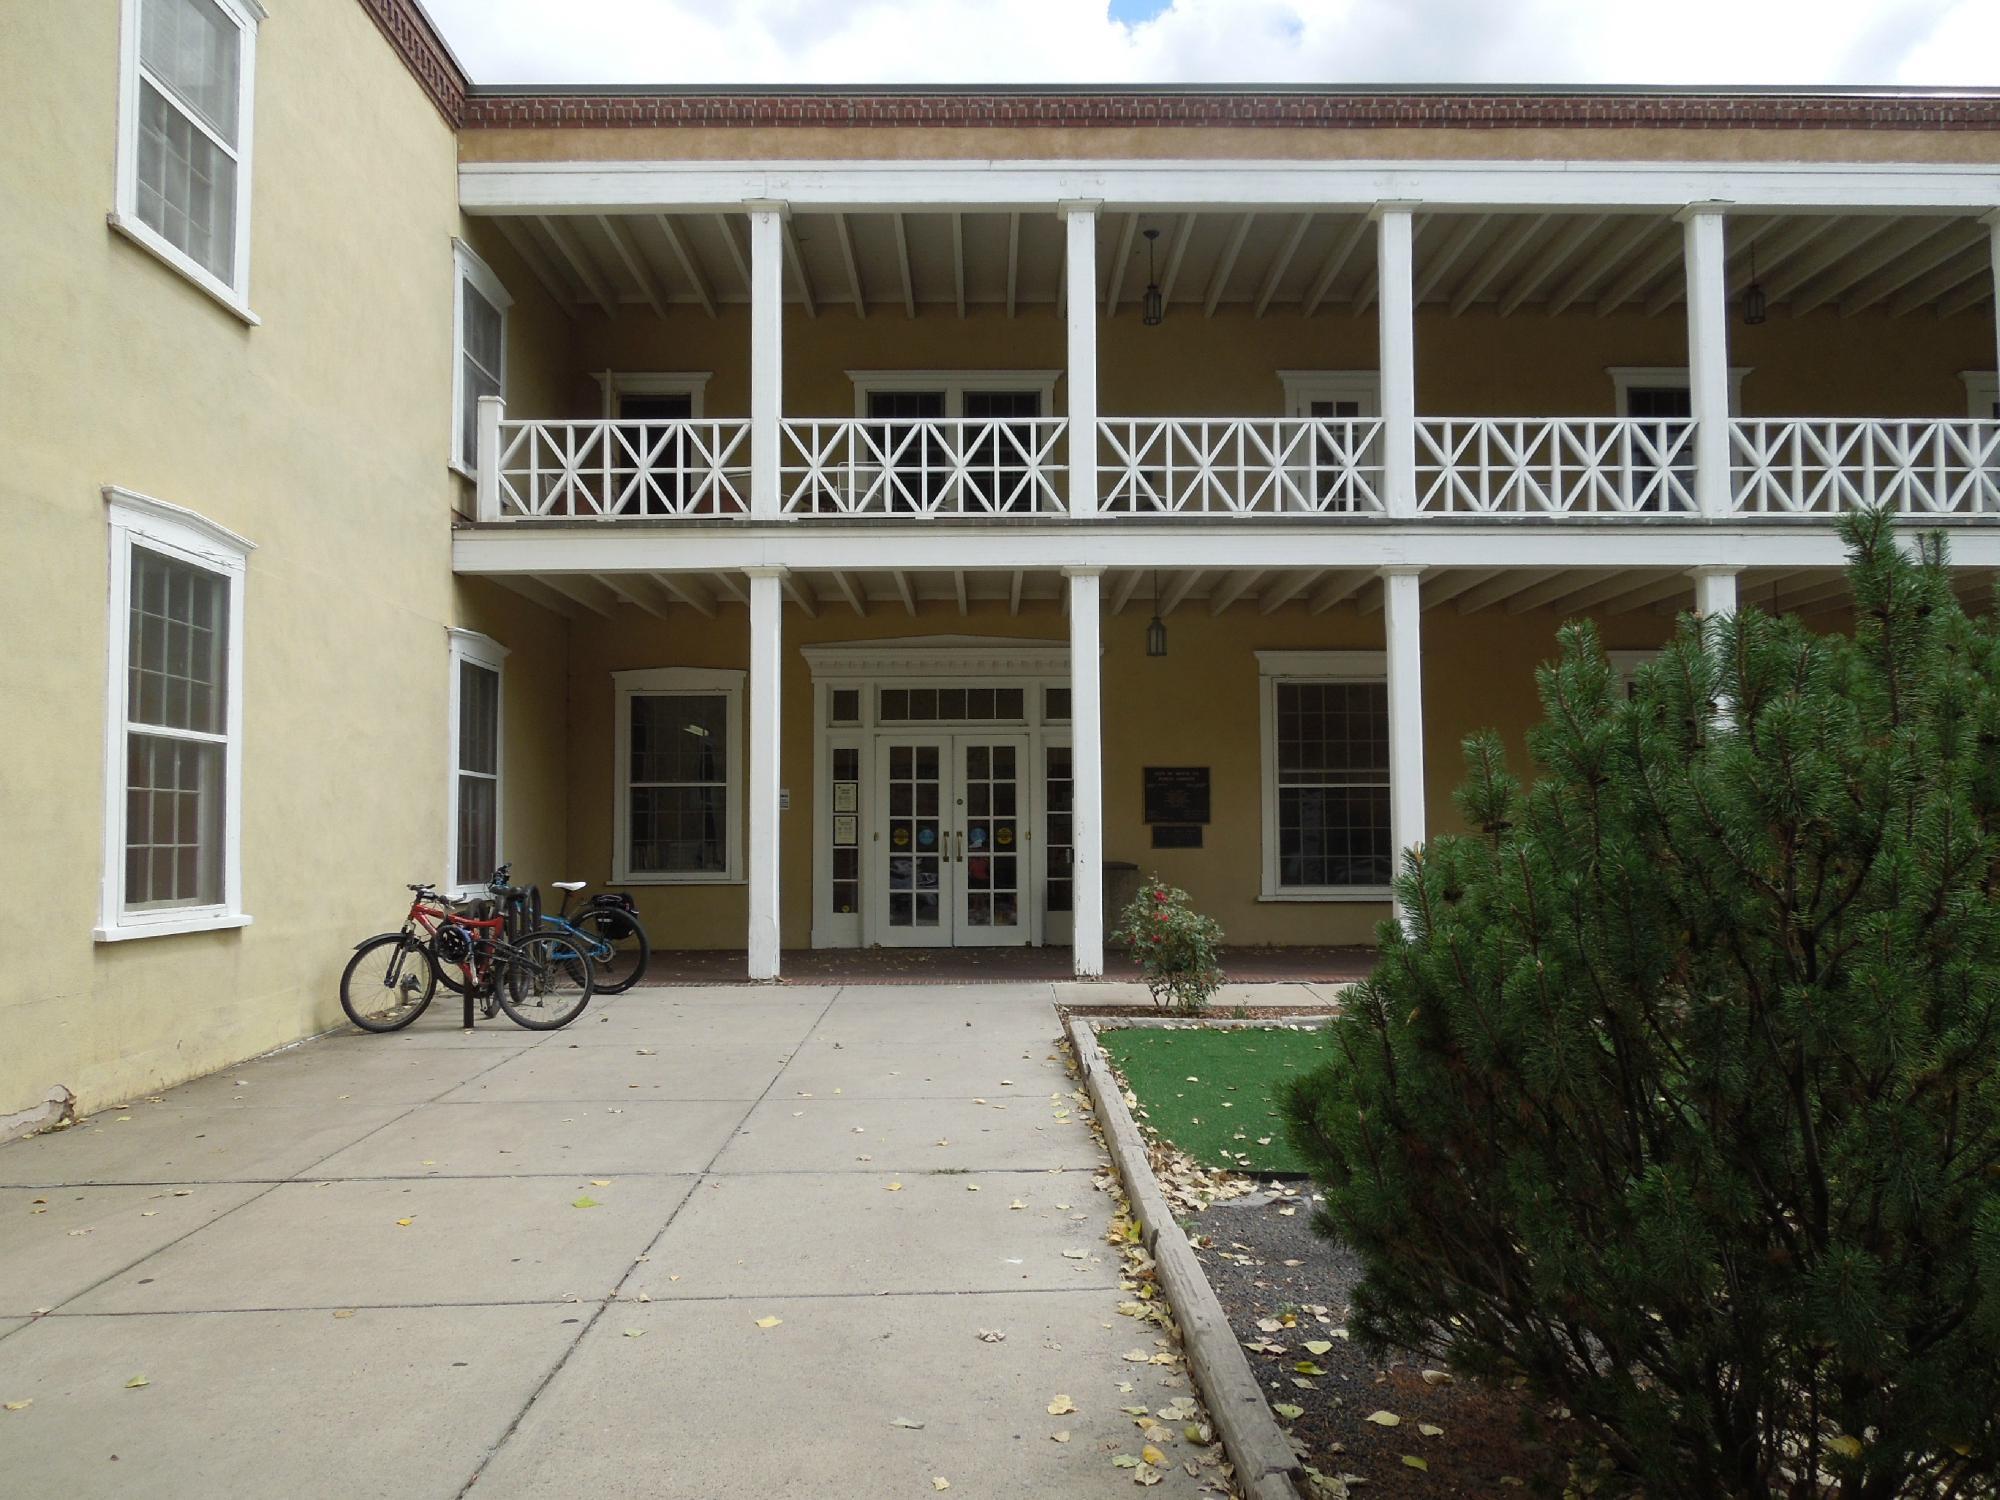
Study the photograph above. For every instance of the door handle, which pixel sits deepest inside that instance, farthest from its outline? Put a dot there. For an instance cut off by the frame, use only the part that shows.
(961, 846)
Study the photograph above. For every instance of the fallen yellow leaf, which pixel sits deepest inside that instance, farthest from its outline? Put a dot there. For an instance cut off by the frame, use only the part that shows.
(600, 1182)
(1150, 1454)
(939, 1482)
(1054, 1437)
(1385, 1419)
(345, 1312)
(136, 1381)
(895, 1187)
(1062, 1406)
(586, 1201)
(1411, 1461)
(24, 1405)
(635, 1333)
(1430, 1429)
(769, 1322)
(1319, 1346)
(405, 1223)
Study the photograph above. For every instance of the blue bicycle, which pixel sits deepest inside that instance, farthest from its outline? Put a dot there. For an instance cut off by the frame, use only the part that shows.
(606, 931)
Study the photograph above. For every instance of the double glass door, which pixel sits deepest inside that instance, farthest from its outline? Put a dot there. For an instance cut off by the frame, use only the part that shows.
(953, 857)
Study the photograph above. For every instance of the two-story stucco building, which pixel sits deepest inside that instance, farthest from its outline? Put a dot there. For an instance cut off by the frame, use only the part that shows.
(852, 517)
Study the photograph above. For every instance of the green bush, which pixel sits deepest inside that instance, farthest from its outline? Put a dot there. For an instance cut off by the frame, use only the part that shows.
(1177, 949)
(1678, 1095)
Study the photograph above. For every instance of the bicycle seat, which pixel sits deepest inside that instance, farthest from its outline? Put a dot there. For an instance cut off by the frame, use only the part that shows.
(569, 885)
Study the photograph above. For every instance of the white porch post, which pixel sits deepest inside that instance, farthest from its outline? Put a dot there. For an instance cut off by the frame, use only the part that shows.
(1080, 242)
(1086, 771)
(767, 318)
(1402, 607)
(1714, 590)
(1993, 240)
(767, 603)
(1705, 252)
(486, 454)
(1396, 326)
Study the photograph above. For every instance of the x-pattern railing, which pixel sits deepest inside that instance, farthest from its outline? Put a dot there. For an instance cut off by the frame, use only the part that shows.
(624, 469)
(921, 466)
(1820, 467)
(1558, 467)
(1239, 466)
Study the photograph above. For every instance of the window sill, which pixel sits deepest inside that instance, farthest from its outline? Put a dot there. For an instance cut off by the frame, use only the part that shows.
(464, 471)
(205, 281)
(211, 921)
(1333, 894)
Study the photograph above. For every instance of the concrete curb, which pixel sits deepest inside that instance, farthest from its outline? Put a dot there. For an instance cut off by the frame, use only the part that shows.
(1208, 1023)
(1266, 1466)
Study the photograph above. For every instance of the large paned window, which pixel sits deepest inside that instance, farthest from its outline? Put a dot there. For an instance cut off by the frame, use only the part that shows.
(173, 753)
(680, 749)
(475, 793)
(479, 364)
(184, 137)
(1326, 775)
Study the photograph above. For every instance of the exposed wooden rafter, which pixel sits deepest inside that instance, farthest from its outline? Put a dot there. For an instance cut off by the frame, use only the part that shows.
(1232, 587)
(636, 590)
(516, 233)
(1641, 274)
(802, 594)
(1335, 262)
(1114, 283)
(904, 591)
(725, 226)
(1944, 244)
(1493, 264)
(1828, 250)
(1565, 243)
(1338, 588)
(958, 261)
(1178, 588)
(1013, 261)
(1124, 589)
(1446, 256)
(1281, 263)
(798, 265)
(1842, 279)
(689, 593)
(635, 262)
(1617, 246)
(1502, 587)
(592, 595)
(903, 267)
(850, 590)
(572, 252)
(1971, 263)
(1183, 231)
(1286, 588)
(1225, 265)
(697, 279)
(856, 293)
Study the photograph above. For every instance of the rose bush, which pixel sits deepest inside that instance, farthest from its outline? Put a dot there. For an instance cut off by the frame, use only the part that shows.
(1175, 946)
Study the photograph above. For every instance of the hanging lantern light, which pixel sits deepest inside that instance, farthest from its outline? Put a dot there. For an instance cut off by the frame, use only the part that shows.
(1156, 631)
(1754, 310)
(1154, 311)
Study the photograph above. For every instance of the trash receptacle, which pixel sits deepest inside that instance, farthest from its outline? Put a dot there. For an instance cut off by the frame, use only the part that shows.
(1121, 884)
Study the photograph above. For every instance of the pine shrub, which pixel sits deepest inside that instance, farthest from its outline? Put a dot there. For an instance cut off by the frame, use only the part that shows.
(1676, 1092)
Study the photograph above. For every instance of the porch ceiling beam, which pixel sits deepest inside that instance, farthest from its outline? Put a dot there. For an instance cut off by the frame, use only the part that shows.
(802, 594)
(1827, 251)
(1281, 263)
(1974, 292)
(725, 225)
(1015, 581)
(635, 262)
(537, 592)
(516, 233)
(1364, 295)
(1182, 231)
(798, 264)
(1370, 596)
(1124, 588)
(1234, 586)
(1338, 588)
(1558, 587)
(1335, 262)
(1442, 588)
(958, 261)
(584, 589)
(1495, 262)
(1776, 241)
(1503, 587)
(1972, 261)
(903, 267)
(1225, 266)
(1641, 274)
(635, 591)
(594, 283)
(1939, 248)
(1013, 261)
(690, 267)
(1674, 586)
(1114, 284)
(846, 238)
(908, 595)
(689, 593)
(1617, 247)
(729, 584)
(1799, 598)
(1178, 588)
(1882, 253)
(958, 590)
(850, 590)
(1618, 581)
(1448, 255)
(1559, 249)
(1287, 588)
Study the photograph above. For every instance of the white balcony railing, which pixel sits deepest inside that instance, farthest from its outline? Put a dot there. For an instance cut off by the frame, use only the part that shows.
(1815, 467)
(628, 470)
(905, 467)
(1242, 466)
(1567, 467)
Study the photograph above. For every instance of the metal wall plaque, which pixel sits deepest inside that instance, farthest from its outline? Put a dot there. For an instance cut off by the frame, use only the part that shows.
(1176, 794)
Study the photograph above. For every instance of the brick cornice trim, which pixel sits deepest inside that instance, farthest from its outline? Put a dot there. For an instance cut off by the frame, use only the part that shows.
(502, 109)
(424, 53)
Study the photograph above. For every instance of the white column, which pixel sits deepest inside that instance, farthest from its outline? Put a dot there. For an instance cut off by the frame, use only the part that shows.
(767, 603)
(1396, 303)
(1993, 238)
(767, 381)
(486, 454)
(1087, 773)
(1704, 252)
(1402, 605)
(1714, 590)
(1080, 240)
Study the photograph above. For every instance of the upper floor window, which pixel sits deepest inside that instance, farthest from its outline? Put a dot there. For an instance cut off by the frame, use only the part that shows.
(479, 340)
(184, 138)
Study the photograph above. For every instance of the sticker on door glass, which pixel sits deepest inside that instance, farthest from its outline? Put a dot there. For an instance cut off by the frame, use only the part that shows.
(926, 837)
(979, 838)
(1004, 837)
(900, 838)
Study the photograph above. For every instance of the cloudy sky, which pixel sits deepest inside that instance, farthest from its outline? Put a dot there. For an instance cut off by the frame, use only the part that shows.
(1942, 42)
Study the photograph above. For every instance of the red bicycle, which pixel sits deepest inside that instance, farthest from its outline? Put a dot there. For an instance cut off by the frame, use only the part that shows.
(537, 978)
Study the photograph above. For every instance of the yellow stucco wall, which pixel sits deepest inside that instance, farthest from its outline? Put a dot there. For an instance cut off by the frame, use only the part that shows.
(320, 435)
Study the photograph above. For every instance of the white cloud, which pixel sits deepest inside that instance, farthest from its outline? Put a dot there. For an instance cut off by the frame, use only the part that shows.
(721, 42)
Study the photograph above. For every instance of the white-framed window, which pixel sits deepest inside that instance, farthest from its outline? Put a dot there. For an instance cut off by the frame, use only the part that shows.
(1332, 393)
(1625, 667)
(479, 349)
(652, 395)
(1325, 740)
(478, 756)
(679, 807)
(186, 70)
(1664, 392)
(949, 394)
(1982, 394)
(173, 748)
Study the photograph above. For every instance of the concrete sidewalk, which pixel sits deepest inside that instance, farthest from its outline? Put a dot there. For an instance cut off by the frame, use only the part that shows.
(359, 1267)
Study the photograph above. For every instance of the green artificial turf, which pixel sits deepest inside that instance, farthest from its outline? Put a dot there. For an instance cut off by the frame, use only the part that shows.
(1213, 1093)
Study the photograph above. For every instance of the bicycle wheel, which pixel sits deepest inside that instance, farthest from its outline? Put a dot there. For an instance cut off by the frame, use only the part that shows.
(388, 982)
(622, 948)
(545, 981)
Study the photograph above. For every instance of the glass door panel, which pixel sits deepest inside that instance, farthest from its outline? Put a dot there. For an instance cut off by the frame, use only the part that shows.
(917, 876)
(989, 846)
